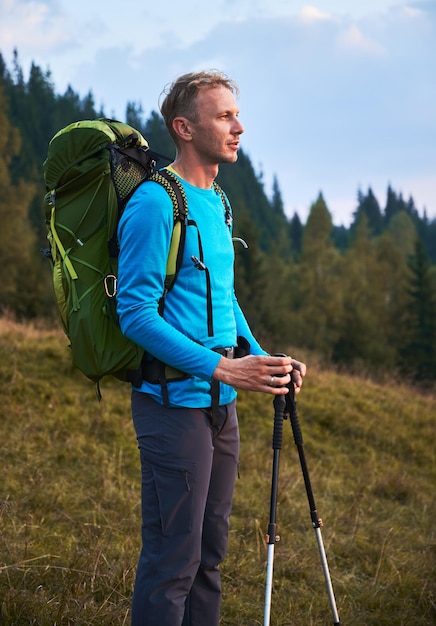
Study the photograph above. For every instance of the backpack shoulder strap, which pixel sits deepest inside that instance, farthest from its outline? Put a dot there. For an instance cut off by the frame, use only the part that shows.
(175, 190)
(227, 210)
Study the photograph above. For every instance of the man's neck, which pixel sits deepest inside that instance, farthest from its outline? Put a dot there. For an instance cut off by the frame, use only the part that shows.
(198, 175)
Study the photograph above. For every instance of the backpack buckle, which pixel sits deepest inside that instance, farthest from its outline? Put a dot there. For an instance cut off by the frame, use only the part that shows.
(110, 285)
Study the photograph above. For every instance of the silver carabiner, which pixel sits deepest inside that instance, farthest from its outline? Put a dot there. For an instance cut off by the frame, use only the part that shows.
(110, 285)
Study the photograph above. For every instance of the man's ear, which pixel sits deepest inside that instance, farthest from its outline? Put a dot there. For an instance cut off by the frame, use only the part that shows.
(182, 128)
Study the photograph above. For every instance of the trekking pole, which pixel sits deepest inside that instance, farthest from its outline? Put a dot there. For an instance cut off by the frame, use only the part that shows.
(279, 416)
(291, 408)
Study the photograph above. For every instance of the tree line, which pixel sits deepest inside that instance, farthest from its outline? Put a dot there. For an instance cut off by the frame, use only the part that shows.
(362, 297)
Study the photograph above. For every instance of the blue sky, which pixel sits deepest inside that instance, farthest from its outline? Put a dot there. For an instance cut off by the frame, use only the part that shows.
(336, 96)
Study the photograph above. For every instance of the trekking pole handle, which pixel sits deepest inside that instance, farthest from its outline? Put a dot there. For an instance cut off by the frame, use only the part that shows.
(279, 415)
(293, 416)
(279, 403)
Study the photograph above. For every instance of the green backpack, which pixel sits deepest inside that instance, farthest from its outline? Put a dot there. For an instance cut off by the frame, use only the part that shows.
(92, 169)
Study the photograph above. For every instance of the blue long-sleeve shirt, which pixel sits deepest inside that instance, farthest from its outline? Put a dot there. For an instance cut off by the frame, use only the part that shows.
(179, 337)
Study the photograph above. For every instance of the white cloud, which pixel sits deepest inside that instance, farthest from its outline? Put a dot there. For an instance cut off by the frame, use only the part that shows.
(353, 39)
(409, 11)
(32, 26)
(310, 13)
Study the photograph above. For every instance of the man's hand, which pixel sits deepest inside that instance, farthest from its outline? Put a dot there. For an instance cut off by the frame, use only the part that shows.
(270, 374)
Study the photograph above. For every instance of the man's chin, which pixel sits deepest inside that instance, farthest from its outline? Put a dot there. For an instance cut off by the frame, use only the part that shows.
(232, 158)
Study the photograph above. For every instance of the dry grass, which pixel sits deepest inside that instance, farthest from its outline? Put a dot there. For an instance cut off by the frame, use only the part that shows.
(30, 329)
(70, 492)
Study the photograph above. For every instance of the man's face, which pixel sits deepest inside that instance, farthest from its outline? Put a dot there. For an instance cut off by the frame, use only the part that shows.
(216, 132)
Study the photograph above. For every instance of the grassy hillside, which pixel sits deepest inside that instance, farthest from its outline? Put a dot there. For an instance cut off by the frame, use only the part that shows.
(70, 493)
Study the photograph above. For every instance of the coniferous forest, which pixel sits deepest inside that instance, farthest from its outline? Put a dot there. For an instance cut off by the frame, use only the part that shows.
(362, 298)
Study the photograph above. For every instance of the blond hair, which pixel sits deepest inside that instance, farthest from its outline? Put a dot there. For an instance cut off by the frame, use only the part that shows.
(180, 96)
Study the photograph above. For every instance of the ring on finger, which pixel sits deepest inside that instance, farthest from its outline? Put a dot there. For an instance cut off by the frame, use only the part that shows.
(271, 383)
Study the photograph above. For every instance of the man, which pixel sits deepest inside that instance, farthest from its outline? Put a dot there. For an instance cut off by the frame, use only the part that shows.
(187, 429)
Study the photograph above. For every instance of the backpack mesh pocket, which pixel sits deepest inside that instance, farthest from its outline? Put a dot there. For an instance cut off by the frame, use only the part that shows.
(127, 174)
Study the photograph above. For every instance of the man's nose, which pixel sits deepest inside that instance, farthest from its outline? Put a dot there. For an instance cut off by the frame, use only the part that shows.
(239, 129)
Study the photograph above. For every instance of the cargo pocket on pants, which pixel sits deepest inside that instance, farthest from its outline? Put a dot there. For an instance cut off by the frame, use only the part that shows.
(176, 495)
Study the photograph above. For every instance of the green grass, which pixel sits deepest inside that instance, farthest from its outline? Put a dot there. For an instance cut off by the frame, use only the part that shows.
(70, 499)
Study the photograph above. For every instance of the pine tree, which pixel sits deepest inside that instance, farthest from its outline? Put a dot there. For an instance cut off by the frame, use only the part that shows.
(403, 233)
(135, 116)
(391, 205)
(296, 236)
(368, 205)
(418, 323)
(279, 224)
(67, 109)
(361, 324)
(319, 293)
(393, 249)
(430, 240)
(277, 200)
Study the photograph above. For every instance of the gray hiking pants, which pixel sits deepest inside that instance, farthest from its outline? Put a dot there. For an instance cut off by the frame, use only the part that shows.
(189, 466)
